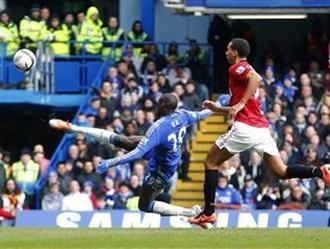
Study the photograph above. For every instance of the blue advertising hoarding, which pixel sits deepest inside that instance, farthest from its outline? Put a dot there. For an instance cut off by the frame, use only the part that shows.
(129, 219)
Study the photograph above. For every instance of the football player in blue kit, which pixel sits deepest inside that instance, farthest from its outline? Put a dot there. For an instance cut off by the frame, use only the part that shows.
(161, 146)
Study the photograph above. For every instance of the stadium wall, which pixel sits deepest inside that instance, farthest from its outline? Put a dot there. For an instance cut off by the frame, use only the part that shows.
(168, 26)
(130, 219)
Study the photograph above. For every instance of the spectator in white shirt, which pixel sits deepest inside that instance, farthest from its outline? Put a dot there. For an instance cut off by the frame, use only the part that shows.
(76, 201)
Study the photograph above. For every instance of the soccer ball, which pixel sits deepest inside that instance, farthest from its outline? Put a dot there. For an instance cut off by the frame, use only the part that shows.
(24, 59)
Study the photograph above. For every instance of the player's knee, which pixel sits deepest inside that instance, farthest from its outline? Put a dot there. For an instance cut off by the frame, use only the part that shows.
(281, 171)
(210, 164)
(144, 206)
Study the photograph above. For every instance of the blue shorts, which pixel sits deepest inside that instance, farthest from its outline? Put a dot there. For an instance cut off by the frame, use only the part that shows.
(157, 180)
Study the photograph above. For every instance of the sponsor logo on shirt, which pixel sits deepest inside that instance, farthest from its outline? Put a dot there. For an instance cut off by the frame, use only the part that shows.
(240, 70)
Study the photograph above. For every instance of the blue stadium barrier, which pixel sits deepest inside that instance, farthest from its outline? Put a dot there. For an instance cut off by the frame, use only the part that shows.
(130, 219)
(83, 67)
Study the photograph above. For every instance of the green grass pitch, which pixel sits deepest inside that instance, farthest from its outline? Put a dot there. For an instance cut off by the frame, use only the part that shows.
(18, 238)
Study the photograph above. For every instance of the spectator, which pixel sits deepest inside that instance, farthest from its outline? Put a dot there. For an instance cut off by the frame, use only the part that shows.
(131, 87)
(63, 177)
(191, 100)
(268, 197)
(320, 197)
(32, 29)
(122, 196)
(138, 170)
(289, 89)
(88, 174)
(195, 59)
(88, 190)
(58, 36)
(109, 192)
(13, 199)
(39, 157)
(226, 197)
(134, 185)
(53, 200)
(142, 125)
(154, 92)
(26, 173)
(3, 175)
(173, 51)
(52, 178)
(113, 77)
(68, 25)
(218, 37)
(323, 127)
(9, 33)
(45, 15)
(297, 199)
(249, 191)
(149, 75)
(137, 35)
(107, 100)
(91, 31)
(114, 35)
(93, 108)
(76, 201)
(156, 57)
(173, 71)
(255, 167)
(164, 85)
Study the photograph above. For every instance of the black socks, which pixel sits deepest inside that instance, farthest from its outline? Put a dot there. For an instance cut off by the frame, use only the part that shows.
(210, 185)
(300, 171)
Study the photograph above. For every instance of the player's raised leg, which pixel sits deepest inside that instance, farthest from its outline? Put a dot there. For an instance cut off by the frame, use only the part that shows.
(296, 171)
(103, 136)
(215, 158)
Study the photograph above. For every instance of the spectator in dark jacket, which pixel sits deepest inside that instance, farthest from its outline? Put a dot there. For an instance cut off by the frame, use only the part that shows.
(191, 100)
(88, 174)
(122, 196)
(255, 167)
(297, 199)
(218, 37)
(64, 178)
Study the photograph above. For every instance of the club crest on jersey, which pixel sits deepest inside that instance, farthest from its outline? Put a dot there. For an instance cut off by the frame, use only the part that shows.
(240, 70)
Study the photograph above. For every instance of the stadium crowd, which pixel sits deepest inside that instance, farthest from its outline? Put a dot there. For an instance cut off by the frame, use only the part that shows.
(296, 102)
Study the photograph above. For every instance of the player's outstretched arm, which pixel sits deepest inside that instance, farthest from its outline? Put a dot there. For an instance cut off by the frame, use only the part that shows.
(104, 165)
(147, 143)
(214, 107)
(195, 116)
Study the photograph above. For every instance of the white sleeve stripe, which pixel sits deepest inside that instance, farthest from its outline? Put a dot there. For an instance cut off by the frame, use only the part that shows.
(128, 155)
(153, 127)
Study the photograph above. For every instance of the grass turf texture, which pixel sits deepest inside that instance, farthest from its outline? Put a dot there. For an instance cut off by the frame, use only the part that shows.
(164, 238)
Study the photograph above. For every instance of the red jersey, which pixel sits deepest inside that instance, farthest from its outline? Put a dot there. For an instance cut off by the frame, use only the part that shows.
(251, 114)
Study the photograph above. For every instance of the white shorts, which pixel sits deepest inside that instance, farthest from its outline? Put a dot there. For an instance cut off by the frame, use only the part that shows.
(243, 137)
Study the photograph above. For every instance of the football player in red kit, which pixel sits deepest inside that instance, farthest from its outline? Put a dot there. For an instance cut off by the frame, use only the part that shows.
(249, 130)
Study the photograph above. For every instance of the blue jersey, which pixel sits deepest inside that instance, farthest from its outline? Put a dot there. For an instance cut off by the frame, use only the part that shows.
(162, 143)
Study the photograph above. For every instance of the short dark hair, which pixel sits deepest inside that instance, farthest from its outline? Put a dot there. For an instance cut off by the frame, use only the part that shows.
(242, 47)
(168, 100)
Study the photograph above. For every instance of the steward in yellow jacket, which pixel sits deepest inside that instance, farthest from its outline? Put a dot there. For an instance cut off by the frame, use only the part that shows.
(137, 35)
(58, 36)
(32, 29)
(8, 34)
(26, 172)
(91, 32)
(113, 33)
